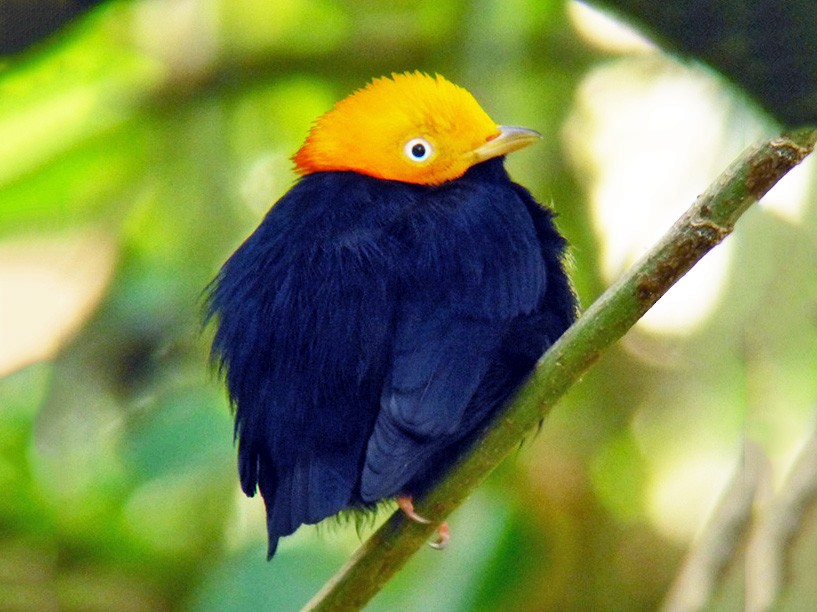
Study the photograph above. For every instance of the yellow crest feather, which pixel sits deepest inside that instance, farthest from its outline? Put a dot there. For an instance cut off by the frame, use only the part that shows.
(369, 131)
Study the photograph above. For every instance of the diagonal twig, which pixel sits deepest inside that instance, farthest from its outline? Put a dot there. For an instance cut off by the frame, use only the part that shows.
(770, 558)
(710, 219)
(721, 544)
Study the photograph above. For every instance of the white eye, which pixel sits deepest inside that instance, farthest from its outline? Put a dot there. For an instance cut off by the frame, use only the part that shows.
(418, 149)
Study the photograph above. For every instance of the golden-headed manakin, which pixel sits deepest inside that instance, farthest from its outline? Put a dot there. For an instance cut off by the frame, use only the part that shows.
(388, 305)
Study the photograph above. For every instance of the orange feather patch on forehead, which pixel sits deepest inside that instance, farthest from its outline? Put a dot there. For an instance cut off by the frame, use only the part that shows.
(367, 131)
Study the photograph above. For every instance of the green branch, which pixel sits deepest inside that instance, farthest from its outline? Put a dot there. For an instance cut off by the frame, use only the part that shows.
(711, 218)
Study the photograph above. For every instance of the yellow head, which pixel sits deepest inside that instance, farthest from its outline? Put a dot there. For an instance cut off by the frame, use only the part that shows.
(412, 128)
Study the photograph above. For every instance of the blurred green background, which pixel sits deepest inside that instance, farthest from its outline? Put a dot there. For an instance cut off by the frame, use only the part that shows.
(143, 141)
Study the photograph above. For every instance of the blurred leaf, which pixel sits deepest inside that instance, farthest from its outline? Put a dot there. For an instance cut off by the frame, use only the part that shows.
(283, 30)
(619, 477)
(61, 153)
(244, 582)
(175, 517)
(20, 397)
(185, 432)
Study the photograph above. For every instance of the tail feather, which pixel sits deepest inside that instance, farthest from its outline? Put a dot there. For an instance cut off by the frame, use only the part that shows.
(302, 494)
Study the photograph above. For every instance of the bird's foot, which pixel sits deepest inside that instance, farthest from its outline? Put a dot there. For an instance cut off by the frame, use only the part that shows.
(405, 504)
(443, 537)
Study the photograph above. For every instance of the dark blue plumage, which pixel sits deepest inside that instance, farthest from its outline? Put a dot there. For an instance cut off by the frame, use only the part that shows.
(368, 328)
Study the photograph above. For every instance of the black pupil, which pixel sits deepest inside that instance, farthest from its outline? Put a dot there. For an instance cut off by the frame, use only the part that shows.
(418, 150)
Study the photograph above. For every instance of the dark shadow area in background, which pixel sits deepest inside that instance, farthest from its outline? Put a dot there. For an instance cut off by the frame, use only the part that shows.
(23, 23)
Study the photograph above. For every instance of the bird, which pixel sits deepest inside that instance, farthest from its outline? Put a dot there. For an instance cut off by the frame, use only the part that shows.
(388, 305)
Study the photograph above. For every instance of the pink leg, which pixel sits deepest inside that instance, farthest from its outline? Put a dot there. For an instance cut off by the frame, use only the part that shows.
(443, 537)
(407, 506)
(443, 531)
